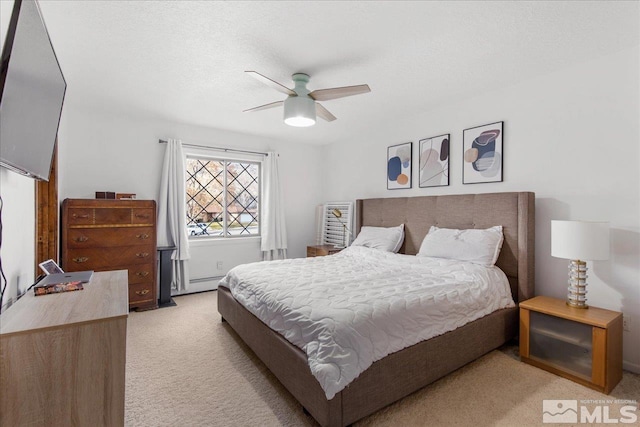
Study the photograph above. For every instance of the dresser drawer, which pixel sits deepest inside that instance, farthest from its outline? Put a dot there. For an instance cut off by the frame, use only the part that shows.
(80, 216)
(105, 258)
(105, 237)
(141, 292)
(142, 216)
(112, 216)
(124, 216)
(141, 273)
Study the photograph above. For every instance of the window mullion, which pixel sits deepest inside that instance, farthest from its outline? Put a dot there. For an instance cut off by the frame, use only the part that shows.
(259, 201)
(224, 198)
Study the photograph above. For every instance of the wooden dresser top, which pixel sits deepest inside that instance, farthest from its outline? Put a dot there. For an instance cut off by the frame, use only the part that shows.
(106, 296)
(108, 203)
(593, 316)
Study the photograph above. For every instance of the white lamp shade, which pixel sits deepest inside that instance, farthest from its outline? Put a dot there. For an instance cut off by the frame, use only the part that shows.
(299, 111)
(580, 240)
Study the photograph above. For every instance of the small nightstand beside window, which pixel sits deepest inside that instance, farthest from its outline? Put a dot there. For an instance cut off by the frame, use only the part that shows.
(584, 346)
(322, 250)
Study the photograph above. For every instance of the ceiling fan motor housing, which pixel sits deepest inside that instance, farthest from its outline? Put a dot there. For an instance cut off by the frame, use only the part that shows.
(300, 110)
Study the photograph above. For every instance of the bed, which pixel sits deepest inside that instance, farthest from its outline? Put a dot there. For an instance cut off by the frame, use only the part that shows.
(403, 372)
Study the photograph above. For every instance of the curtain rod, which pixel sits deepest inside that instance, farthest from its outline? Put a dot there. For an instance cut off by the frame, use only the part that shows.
(162, 141)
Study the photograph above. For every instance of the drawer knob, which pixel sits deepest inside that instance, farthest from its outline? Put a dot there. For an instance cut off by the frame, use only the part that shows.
(142, 236)
(143, 292)
(82, 239)
(142, 254)
(80, 216)
(139, 215)
(81, 259)
(142, 273)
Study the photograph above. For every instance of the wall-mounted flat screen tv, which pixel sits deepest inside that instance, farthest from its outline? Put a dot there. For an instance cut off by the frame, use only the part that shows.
(32, 90)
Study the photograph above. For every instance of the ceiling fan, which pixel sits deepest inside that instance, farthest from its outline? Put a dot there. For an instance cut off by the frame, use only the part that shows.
(302, 106)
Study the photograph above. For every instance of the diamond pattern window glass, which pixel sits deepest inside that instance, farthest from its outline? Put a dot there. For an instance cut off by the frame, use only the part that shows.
(222, 198)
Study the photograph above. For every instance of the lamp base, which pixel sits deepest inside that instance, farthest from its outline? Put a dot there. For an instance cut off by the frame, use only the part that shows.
(577, 290)
(577, 305)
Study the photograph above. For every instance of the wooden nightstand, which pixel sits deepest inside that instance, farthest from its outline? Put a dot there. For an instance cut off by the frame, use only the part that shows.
(583, 345)
(322, 250)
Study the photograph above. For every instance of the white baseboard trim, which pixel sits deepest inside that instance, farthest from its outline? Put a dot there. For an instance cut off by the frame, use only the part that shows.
(210, 284)
(631, 367)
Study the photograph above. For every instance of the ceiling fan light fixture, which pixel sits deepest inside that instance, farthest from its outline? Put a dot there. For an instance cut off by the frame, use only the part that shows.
(301, 106)
(299, 111)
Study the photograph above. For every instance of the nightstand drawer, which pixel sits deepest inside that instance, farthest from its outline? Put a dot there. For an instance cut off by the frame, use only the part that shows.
(561, 343)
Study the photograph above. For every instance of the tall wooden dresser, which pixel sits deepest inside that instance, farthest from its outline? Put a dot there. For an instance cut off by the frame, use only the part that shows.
(106, 234)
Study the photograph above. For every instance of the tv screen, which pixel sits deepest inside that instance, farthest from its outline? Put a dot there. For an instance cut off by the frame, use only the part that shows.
(32, 90)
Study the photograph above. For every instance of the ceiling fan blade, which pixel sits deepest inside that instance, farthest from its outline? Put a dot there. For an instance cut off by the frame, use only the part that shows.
(323, 113)
(271, 83)
(338, 92)
(265, 106)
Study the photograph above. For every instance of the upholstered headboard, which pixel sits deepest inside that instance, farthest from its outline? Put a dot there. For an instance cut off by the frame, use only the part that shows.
(514, 211)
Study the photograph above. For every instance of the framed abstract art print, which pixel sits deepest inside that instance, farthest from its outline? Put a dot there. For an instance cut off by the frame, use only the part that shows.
(482, 154)
(434, 161)
(399, 165)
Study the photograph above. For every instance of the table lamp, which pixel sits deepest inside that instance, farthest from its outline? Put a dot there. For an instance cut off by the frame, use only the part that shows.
(579, 241)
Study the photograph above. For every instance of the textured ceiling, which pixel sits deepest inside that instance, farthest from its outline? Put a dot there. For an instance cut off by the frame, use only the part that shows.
(184, 60)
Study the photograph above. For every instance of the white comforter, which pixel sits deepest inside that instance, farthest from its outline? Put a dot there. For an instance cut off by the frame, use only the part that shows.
(350, 309)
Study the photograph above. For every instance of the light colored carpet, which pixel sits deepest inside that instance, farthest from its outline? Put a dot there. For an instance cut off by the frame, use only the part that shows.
(185, 367)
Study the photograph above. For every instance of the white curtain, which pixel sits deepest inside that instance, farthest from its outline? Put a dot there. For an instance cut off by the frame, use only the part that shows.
(172, 216)
(273, 230)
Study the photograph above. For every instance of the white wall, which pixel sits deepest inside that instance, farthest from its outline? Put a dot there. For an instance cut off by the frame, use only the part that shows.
(102, 151)
(572, 137)
(18, 213)
(18, 232)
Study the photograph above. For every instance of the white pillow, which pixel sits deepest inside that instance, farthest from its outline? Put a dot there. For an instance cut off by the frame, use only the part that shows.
(477, 246)
(386, 238)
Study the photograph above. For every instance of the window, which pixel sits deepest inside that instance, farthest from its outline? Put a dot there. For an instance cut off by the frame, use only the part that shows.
(222, 197)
